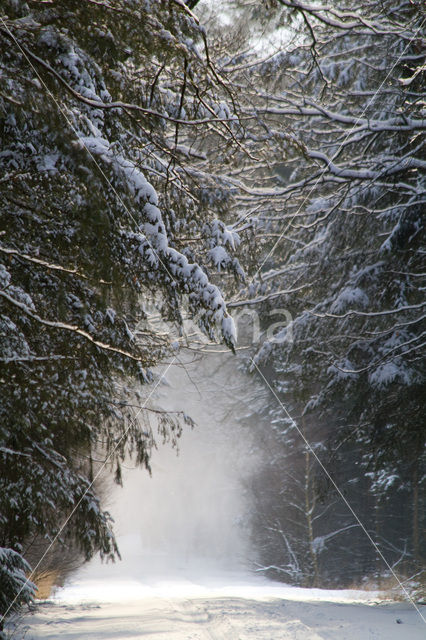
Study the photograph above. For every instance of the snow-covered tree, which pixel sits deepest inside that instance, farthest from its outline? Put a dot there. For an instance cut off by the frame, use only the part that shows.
(15, 587)
(104, 208)
(341, 194)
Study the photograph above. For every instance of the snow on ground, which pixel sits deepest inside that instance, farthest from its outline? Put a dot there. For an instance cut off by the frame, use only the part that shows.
(224, 607)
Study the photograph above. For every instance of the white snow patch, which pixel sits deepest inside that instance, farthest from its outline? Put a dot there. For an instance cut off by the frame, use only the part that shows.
(237, 610)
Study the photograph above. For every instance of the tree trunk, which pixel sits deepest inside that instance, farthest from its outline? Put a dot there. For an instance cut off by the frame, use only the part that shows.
(415, 485)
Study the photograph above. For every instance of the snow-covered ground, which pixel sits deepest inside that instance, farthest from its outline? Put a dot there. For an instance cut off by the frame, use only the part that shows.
(233, 607)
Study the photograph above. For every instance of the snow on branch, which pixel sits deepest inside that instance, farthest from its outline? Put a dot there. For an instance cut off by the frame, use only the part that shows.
(152, 231)
(100, 104)
(67, 327)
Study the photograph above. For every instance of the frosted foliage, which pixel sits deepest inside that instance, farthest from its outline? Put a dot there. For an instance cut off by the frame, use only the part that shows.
(110, 148)
(12, 340)
(13, 578)
(349, 297)
(160, 254)
(219, 257)
(4, 277)
(390, 372)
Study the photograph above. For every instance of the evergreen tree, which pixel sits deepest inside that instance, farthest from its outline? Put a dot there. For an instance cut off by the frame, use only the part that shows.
(103, 211)
(342, 196)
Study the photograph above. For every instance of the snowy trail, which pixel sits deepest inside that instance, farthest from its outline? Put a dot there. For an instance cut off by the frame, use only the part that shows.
(226, 619)
(244, 610)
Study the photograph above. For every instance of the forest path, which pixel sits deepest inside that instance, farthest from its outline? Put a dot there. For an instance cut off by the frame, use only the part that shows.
(256, 615)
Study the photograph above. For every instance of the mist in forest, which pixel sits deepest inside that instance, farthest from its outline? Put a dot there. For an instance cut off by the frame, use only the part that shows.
(191, 517)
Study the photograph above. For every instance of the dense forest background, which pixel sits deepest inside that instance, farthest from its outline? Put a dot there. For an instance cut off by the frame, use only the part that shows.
(171, 156)
(340, 219)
